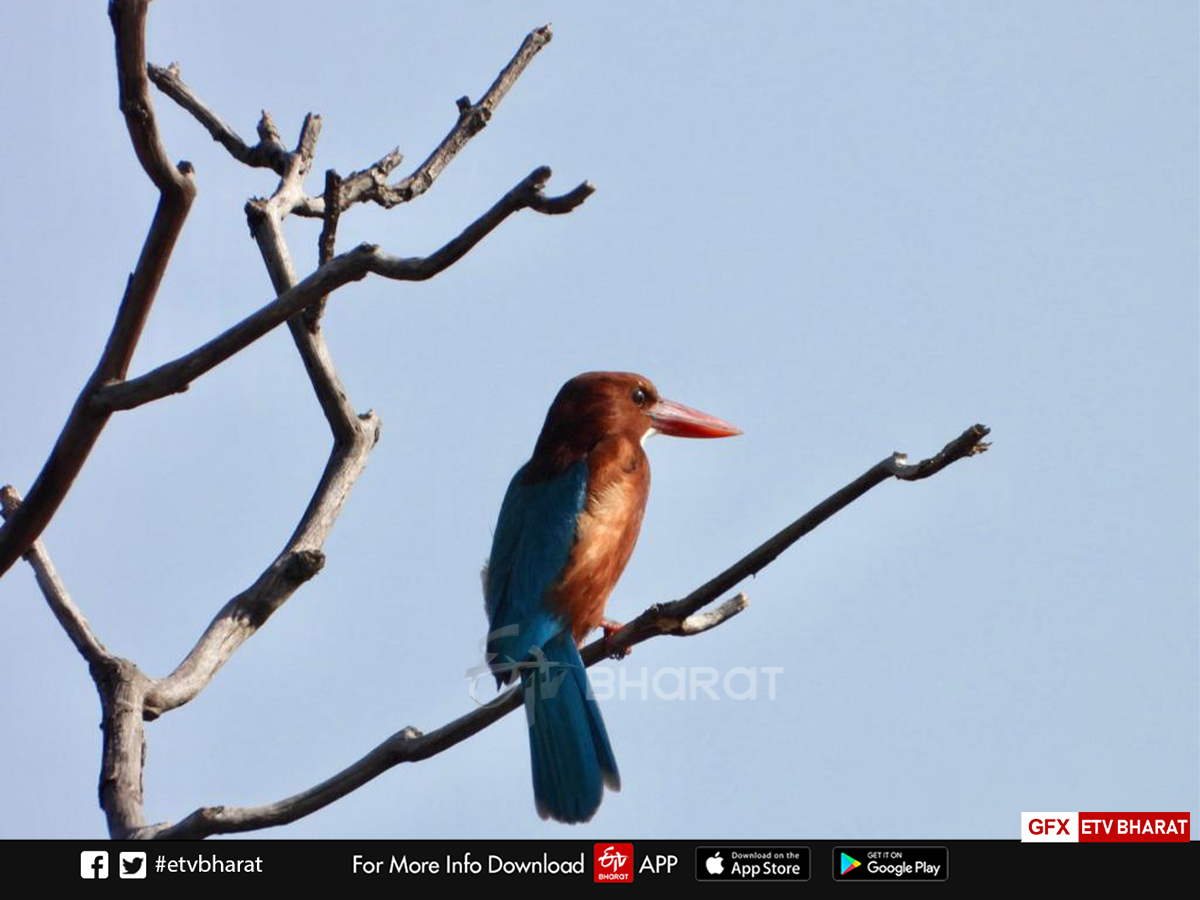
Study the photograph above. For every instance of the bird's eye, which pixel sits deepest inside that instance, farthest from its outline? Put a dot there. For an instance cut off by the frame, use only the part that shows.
(640, 396)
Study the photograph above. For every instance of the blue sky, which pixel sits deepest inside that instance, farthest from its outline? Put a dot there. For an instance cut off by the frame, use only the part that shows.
(849, 228)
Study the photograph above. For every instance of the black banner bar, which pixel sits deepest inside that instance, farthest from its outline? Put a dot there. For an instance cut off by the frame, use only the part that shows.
(796, 864)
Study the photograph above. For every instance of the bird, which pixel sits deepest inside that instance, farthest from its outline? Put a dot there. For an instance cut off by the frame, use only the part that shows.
(567, 527)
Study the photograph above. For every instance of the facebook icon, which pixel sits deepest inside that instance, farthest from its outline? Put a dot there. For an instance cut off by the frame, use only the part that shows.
(93, 864)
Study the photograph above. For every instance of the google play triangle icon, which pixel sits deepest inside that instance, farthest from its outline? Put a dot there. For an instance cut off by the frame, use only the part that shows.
(848, 863)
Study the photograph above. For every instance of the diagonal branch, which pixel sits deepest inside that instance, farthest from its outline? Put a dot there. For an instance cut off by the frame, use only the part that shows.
(69, 616)
(353, 265)
(680, 617)
(670, 618)
(327, 242)
(266, 224)
(472, 119)
(268, 153)
(300, 559)
(177, 189)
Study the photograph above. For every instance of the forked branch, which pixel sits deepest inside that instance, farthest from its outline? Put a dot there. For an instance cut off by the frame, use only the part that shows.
(353, 265)
(369, 184)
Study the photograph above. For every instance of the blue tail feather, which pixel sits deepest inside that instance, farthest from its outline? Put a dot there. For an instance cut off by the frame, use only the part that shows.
(572, 758)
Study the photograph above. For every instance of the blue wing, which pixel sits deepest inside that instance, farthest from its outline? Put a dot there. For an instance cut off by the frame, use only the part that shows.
(533, 539)
(571, 755)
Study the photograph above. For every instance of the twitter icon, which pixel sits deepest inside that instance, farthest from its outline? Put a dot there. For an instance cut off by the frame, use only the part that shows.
(133, 864)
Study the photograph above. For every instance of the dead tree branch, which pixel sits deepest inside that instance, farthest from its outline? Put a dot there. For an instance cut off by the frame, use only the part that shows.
(472, 119)
(268, 153)
(121, 687)
(120, 684)
(327, 242)
(69, 616)
(680, 618)
(369, 184)
(672, 618)
(353, 265)
(176, 192)
(301, 559)
(354, 438)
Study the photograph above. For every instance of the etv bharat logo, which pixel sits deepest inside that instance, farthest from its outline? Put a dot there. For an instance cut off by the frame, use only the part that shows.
(613, 863)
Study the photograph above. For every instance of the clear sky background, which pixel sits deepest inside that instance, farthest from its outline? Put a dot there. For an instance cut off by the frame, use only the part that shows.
(848, 227)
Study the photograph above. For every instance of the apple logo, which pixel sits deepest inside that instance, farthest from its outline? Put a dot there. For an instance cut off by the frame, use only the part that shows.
(715, 864)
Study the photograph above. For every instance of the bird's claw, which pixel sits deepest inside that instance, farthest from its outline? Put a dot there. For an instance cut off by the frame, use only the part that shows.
(611, 627)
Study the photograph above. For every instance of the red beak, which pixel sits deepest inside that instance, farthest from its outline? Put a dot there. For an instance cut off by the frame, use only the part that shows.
(683, 421)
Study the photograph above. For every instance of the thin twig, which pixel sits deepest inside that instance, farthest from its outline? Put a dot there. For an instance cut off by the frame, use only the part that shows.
(266, 154)
(69, 616)
(472, 119)
(327, 242)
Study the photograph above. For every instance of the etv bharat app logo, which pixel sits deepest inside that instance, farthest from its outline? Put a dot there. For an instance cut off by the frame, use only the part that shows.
(613, 863)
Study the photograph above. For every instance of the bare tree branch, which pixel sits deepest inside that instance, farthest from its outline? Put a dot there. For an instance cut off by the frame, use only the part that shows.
(327, 242)
(353, 265)
(698, 623)
(177, 189)
(300, 559)
(268, 153)
(969, 443)
(669, 618)
(266, 224)
(69, 616)
(680, 618)
(369, 184)
(121, 687)
(354, 438)
(357, 187)
(472, 119)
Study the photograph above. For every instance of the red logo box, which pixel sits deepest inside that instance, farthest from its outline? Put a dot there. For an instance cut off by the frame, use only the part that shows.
(613, 863)
(1124, 827)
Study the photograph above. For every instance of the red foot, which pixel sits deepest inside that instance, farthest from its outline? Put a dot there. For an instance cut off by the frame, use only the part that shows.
(611, 627)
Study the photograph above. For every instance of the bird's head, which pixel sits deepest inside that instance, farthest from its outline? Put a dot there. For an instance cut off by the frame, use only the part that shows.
(596, 405)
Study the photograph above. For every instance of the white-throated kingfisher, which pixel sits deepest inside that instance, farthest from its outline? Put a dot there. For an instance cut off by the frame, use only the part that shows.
(567, 527)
